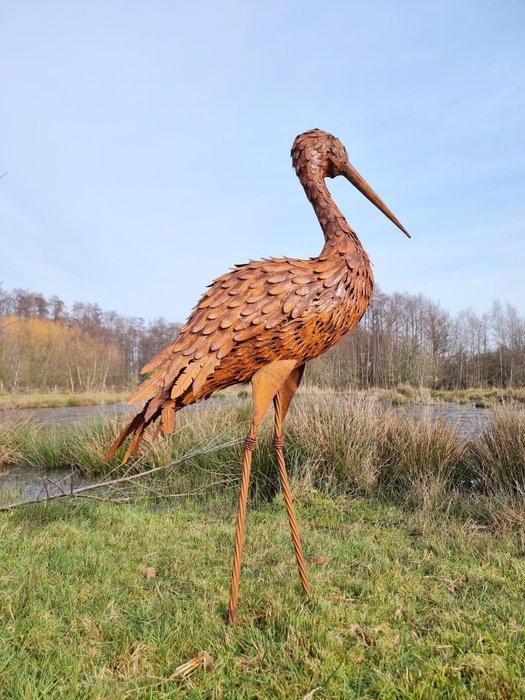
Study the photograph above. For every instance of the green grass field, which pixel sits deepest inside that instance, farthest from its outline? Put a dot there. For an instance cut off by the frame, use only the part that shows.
(403, 606)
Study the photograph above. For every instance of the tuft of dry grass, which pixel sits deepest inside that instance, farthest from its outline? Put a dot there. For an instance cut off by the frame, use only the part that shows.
(422, 459)
(357, 443)
(339, 437)
(499, 450)
(405, 393)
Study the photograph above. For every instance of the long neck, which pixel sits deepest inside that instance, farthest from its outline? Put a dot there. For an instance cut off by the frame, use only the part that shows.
(338, 234)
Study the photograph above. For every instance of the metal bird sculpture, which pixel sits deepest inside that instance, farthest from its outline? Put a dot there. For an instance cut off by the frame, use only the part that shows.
(261, 322)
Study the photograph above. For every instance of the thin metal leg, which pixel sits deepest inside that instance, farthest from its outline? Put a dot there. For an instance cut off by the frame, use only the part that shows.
(249, 446)
(278, 442)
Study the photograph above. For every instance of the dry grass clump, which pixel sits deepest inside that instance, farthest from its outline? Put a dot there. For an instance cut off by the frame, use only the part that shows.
(356, 443)
(336, 436)
(83, 446)
(405, 393)
(498, 512)
(422, 459)
(499, 451)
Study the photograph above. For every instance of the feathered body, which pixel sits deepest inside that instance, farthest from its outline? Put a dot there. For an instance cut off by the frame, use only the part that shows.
(266, 310)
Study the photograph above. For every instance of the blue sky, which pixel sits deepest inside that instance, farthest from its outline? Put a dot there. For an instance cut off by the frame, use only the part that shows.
(147, 143)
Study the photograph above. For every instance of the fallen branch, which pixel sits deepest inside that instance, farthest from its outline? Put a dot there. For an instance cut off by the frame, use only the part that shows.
(79, 492)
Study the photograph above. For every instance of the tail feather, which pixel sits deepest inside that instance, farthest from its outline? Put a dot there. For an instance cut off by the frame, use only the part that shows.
(168, 417)
(133, 448)
(153, 409)
(155, 406)
(130, 428)
(159, 358)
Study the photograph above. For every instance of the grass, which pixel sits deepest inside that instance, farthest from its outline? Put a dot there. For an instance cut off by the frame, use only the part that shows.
(482, 397)
(108, 601)
(55, 400)
(399, 395)
(500, 450)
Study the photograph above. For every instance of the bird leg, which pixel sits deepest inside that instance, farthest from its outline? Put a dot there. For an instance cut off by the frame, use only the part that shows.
(266, 382)
(281, 404)
(249, 446)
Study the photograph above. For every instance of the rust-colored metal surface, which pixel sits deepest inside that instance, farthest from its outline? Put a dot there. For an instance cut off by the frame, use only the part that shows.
(261, 322)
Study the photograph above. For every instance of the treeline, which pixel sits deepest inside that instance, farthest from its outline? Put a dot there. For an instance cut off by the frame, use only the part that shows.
(45, 345)
(410, 339)
(403, 339)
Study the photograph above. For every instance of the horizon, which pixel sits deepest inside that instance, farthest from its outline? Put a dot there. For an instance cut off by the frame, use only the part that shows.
(147, 149)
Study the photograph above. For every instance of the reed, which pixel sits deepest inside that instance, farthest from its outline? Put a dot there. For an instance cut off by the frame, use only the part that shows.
(422, 460)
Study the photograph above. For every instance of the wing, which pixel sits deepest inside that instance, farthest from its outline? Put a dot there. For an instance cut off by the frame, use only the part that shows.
(253, 313)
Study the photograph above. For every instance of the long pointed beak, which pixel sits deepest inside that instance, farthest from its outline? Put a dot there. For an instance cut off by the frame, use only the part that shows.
(362, 185)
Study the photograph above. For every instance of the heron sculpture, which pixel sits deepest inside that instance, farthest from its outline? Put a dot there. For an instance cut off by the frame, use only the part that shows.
(261, 322)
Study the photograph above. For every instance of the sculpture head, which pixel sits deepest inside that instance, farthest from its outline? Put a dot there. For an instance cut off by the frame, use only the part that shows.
(327, 157)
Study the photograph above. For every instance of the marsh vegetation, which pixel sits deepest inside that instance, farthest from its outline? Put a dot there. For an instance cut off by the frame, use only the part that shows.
(337, 443)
